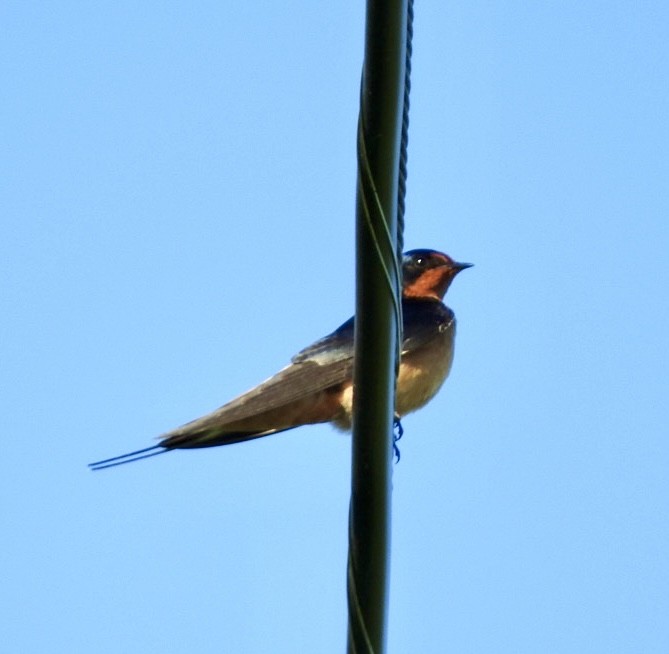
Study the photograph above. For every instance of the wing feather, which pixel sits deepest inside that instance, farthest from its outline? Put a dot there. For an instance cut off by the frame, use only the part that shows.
(324, 364)
(294, 382)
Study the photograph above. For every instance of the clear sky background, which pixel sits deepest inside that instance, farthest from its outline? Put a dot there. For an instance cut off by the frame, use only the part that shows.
(177, 219)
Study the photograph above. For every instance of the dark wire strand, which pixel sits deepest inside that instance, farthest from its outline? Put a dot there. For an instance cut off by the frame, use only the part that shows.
(403, 171)
(404, 143)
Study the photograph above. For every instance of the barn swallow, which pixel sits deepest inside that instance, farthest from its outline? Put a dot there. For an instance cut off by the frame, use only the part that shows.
(317, 386)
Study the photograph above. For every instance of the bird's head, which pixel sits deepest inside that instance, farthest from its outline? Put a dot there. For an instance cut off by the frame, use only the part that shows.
(428, 273)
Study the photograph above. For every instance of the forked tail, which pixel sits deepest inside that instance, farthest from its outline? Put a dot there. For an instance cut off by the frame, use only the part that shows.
(128, 458)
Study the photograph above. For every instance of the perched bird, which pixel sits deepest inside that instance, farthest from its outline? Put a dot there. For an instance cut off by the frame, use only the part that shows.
(317, 386)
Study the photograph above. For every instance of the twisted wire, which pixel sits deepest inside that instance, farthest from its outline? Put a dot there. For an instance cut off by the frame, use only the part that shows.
(404, 143)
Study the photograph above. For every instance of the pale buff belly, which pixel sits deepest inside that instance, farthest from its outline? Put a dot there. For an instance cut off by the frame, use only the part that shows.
(421, 375)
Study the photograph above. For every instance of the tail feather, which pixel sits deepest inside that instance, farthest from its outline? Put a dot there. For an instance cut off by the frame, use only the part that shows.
(183, 441)
(213, 438)
(128, 458)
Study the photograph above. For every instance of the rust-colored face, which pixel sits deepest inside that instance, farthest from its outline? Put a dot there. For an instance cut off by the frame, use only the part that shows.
(428, 273)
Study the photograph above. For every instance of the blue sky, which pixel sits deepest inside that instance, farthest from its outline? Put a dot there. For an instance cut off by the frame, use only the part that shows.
(177, 201)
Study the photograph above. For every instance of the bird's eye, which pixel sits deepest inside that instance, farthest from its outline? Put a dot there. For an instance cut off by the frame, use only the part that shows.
(420, 262)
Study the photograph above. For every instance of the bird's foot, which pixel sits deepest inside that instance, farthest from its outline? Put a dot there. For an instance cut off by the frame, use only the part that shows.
(398, 432)
(397, 424)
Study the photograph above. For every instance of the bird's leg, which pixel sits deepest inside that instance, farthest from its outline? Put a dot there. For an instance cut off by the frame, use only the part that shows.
(398, 432)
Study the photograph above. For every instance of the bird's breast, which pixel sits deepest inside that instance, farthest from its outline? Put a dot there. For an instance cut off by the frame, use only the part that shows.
(424, 370)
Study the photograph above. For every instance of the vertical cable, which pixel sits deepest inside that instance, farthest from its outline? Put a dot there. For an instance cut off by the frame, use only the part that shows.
(382, 142)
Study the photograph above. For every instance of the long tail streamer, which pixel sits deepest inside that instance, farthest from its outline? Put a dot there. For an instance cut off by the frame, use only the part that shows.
(128, 458)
